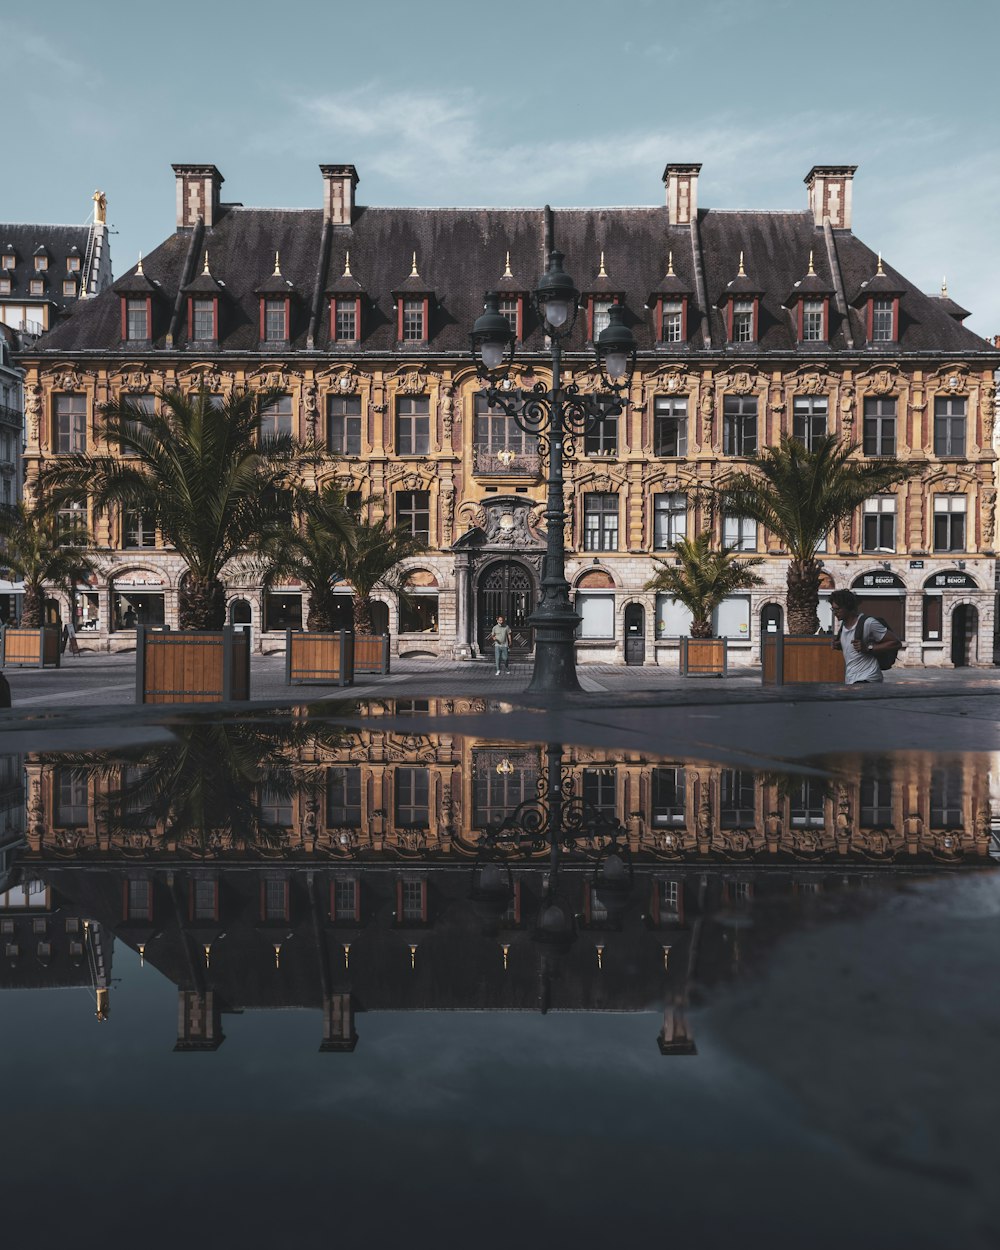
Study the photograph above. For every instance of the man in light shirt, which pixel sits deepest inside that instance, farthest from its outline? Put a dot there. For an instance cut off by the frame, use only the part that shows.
(500, 636)
(860, 654)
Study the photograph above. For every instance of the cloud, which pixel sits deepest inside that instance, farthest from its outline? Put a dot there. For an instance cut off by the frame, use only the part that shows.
(22, 43)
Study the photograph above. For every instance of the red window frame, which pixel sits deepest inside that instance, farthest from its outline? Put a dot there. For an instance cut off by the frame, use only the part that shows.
(683, 301)
(215, 319)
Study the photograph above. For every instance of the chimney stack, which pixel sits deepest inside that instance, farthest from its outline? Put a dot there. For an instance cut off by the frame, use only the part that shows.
(197, 195)
(682, 193)
(831, 194)
(339, 182)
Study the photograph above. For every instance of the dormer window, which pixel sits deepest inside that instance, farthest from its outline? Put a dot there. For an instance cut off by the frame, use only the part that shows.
(669, 303)
(882, 321)
(813, 330)
(69, 286)
(344, 319)
(41, 264)
(203, 319)
(203, 296)
(672, 321)
(73, 264)
(510, 307)
(36, 286)
(809, 304)
(5, 286)
(275, 320)
(137, 320)
(8, 260)
(136, 291)
(740, 305)
(413, 321)
(413, 306)
(600, 317)
(275, 295)
(743, 319)
(511, 300)
(878, 301)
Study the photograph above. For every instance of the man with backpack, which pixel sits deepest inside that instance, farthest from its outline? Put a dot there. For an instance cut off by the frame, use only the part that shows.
(869, 646)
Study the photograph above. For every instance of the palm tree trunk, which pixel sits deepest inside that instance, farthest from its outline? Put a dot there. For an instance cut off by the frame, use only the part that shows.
(201, 603)
(701, 628)
(803, 597)
(32, 608)
(319, 618)
(362, 615)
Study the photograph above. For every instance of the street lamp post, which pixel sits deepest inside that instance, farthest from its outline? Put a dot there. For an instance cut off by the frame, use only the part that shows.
(556, 416)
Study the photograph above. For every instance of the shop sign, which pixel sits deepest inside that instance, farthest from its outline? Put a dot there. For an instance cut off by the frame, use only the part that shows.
(880, 581)
(952, 581)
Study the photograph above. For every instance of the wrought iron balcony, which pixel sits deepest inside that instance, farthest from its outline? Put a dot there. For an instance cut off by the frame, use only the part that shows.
(504, 462)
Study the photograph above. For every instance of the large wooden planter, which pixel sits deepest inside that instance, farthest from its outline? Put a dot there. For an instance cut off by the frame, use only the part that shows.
(30, 648)
(371, 653)
(704, 657)
(786, 659)
(192, 666)
(319, 657)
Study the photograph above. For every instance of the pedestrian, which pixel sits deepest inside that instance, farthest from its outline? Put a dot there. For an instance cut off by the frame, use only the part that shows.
(500, 637)
(861, 653)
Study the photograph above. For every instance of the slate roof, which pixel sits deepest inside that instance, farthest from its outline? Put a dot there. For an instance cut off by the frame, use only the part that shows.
(461, 253)
(55, 242)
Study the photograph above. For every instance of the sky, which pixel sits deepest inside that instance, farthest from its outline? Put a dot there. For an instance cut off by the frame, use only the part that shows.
(447, 103)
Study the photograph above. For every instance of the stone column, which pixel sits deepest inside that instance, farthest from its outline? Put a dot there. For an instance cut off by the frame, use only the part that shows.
(462, 649)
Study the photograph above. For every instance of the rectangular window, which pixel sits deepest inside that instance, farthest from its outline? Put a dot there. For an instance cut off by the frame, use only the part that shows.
(276, 421)
(274, 899)
(37, 287)
(343, 424)
(739, 425)
(413, 321)
(672, 324)
(599, 790)
(147, 406)
(668, 797)
(949, 522)
(69, 286)
(739, 533)
(497, 795)
(875, 799)
(137, 319)
(413, 425)
(70, 413)
(344, 898)
(946, 797)
(669, 519)
(882, 327)
(509, 309)
(343, 798)
(72, 797)
(812, 321)
(139, 530)
(499, 443)
(949, 426)
(345, 321)
(809, 418)
(671, 899)
(138, 899)
(275, 321)
(600, 522)
(736, 798)
(412, 790)
(276, 806)
(7, 261)
(5, 286)
(413, 510)
(879, 524)
(203, 320)
(204, 899)
(73, 264)
(41, 264)
(598, 612)
(71, 522)
(413, 896)
(880, 427)
(601, 439)
(743, 321)
(670, 420)
(601, 311)
(807, 803)
(732, 618)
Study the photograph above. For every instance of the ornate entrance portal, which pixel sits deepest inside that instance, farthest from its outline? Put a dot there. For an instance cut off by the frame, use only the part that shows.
(506, 588)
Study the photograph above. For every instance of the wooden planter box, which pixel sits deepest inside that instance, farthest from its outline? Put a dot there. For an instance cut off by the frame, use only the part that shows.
(319, 657)
(371, 653)
(30, 648)
(786, 659)
(704, 657)
(192, 666)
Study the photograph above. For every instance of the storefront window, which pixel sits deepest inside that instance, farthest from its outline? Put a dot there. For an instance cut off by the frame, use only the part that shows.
(283, 610)
(418, 614)
(598, 612)
(88, 616)
(130, 608)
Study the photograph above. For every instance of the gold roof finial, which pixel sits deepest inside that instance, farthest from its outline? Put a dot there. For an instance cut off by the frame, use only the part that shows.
(602, 272)
(205, 268)
(347, 265)
(277, 954)
(413, 271)
(812, 267)
(506, 952)
(506, 268)
(742, 273)
(100, 208)
(413, 954)
(880, 270)
(277, 265)
(670, 265)
(141, 948)
(207, 948)
(103, 1003)
(347, 954)
(600, 956)
(138, 268)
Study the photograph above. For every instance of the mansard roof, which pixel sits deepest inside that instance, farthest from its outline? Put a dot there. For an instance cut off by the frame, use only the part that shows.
(27, 241)
(462, 252)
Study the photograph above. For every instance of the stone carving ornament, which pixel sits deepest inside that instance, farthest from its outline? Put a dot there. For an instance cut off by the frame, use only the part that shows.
(447, 411)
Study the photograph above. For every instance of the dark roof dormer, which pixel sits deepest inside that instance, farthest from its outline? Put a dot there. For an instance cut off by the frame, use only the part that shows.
(948, 305)
(599, 294)
(42, 256)
(512, 293)
(414, 299)
(809, 304)
(138, 294)
(740, 306)
(346, 295)
(878, 301)
(275, 294)
(204, 295)
(8, 256)
(670, 301)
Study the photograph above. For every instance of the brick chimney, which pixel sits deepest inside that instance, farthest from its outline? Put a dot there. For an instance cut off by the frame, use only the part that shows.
(682, 193)
(831, 194)
(339, 182)
(197, 194)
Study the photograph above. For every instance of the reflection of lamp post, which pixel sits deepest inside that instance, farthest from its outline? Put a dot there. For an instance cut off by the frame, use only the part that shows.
(556, 416)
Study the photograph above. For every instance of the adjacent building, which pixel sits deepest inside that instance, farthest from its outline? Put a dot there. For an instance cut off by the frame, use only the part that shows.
(749, 324)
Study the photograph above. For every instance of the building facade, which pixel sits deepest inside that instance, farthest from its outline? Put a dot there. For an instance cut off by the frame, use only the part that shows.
(749, 324)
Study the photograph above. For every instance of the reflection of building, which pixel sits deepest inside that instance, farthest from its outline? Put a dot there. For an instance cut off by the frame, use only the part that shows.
(750, 324)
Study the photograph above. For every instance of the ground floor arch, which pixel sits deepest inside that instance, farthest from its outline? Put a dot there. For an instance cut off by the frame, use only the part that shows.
(506, 588)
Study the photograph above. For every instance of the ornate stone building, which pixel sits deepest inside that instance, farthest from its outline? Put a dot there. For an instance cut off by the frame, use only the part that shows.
(749, 324)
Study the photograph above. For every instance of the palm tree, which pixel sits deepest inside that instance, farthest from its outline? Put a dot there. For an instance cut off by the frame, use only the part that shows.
(800, 494)
(316, 552)
(203, 473)
(703, 578)
(39, 549)
(378, 549)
